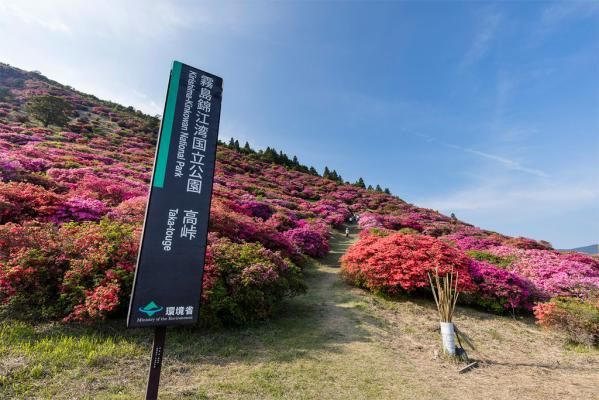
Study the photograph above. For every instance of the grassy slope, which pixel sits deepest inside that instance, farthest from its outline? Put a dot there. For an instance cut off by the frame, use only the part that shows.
(335, 342)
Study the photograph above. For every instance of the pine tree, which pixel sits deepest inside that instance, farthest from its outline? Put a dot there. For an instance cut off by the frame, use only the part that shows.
(232, 143)
(313, 171)
(360, 183)
(237, 148)
(378, 188)
(247, 147)
(387, 191)
(370, 187)
(326, 174)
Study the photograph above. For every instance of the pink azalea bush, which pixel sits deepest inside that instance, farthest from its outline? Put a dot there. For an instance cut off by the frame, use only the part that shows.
(553, 273)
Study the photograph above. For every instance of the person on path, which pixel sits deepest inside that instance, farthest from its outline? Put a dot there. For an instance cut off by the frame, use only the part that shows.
(346, 231)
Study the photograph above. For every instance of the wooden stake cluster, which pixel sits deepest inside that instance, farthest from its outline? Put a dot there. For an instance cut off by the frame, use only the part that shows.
(445, 292)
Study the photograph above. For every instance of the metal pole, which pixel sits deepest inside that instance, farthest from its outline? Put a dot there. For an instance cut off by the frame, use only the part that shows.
(156, 363)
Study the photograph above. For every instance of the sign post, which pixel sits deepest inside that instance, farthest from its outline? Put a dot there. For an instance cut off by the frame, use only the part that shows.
(168, 278)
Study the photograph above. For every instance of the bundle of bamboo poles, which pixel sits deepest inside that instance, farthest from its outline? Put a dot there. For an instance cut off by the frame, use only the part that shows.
(445, 292)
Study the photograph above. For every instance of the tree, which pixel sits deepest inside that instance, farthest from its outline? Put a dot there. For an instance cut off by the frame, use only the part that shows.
(50, 110)
(370, 187)
(232, 143)
(378, 188)
(387, 191)
(360, 183)
(313, 171)
(326, 174)
(247, 148)
(237, 148)
(152, 125)
(5, 94)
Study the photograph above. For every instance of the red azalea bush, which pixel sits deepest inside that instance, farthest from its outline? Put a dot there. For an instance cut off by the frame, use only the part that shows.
(53, 272)
(32, 265)
(401, 262)
(21, 201)
(244, 281)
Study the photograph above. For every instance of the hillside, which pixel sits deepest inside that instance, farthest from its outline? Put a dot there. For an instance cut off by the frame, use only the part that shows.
(98, 166)
(277, 314)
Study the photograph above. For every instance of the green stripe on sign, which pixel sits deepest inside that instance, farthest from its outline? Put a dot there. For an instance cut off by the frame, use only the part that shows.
(167, 126)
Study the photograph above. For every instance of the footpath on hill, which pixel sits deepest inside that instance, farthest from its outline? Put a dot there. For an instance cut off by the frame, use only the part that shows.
(334, 342)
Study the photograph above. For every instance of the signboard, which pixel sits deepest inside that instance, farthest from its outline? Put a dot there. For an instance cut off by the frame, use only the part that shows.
(168, 278)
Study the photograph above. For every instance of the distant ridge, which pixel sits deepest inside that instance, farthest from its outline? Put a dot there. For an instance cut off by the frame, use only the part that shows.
(590, 249)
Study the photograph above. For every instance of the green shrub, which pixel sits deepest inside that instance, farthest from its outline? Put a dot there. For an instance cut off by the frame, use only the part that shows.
(243, 282)
(501, 262)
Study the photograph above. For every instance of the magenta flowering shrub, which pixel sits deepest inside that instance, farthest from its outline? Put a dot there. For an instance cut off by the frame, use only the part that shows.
(311, 238)
(252, 208)
(553, 273)
(472, 239)
(499, 290)
(79, 209)
(333, 212)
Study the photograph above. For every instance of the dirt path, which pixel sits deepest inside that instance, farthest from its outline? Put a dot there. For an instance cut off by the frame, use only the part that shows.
(335, 342)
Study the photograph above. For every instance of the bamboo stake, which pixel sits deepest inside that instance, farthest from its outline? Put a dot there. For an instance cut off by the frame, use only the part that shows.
(445, 292)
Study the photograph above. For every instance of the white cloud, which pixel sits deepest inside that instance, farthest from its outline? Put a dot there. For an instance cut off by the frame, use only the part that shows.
(562, 11)
(508, 163)
(562, 211)
(109, 18)
(486, 31)
(505, 197)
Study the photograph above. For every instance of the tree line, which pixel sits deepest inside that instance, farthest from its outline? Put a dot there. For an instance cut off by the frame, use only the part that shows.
(271, 155)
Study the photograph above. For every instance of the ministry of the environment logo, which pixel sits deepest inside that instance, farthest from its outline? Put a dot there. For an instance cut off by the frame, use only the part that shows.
(150, 309)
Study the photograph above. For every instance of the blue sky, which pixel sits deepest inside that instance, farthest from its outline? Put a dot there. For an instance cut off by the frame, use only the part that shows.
(488, 110)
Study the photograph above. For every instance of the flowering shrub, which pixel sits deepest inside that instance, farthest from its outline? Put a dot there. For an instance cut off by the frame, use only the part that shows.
(130, 211)
(310, 238)
(400, 262)
(79, 209)
(21, 201)
(244, 281)
(578, 318)
(466, 241)
(53, 271)
(553, 273)
(499, 290)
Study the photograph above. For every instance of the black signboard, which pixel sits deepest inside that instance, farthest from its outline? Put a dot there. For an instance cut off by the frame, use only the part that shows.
(168, 278)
